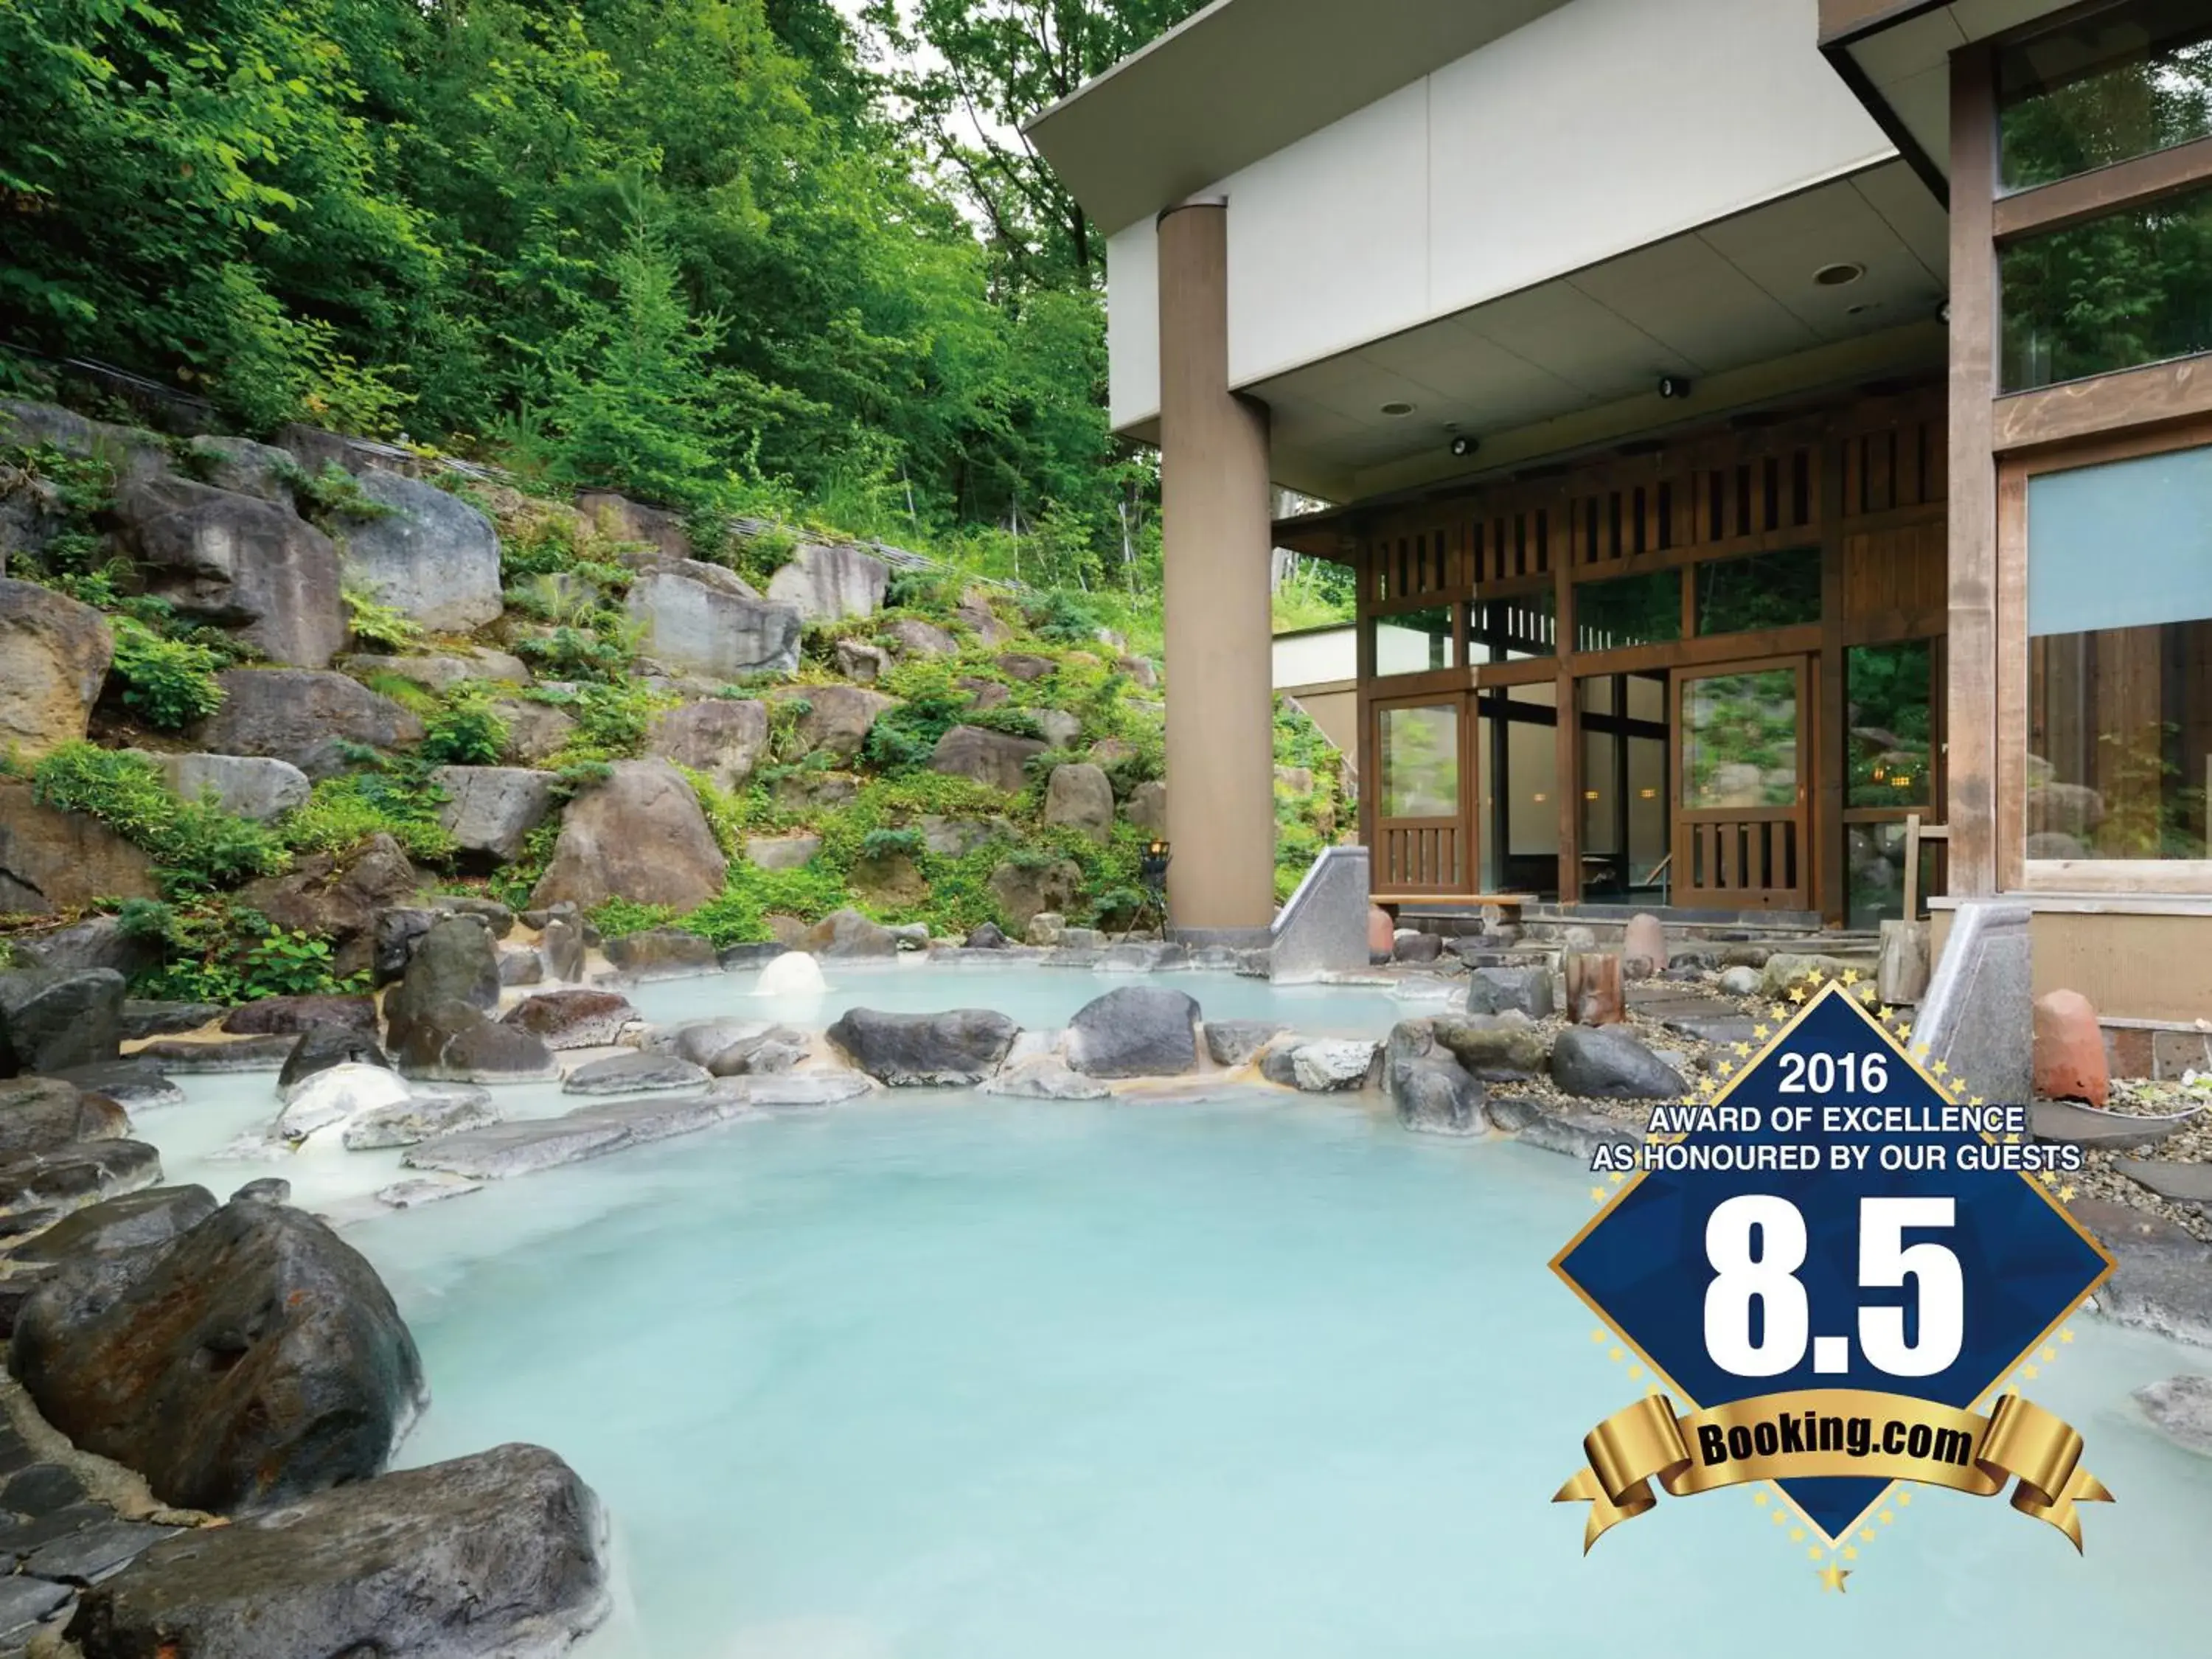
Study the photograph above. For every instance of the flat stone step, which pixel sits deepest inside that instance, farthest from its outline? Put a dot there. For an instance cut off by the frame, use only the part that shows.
(2086, 1126)
(2183, 1183)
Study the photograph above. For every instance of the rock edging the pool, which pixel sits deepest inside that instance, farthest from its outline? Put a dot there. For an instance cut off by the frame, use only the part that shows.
(201, 1403)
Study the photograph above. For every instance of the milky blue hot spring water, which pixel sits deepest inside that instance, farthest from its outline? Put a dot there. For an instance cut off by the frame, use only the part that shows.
(937, 1376)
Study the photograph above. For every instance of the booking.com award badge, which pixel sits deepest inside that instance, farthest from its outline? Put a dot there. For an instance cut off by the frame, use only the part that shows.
(1834, 1260)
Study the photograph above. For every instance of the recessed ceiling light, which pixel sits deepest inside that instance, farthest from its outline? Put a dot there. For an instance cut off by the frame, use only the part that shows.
(1836, 276)
(1397, 410)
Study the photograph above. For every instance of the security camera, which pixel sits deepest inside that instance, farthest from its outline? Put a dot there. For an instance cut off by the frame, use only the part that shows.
(1464, 446)
(1674, 386)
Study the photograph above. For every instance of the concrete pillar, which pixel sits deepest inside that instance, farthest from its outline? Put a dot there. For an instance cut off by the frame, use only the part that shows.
(1216, 532)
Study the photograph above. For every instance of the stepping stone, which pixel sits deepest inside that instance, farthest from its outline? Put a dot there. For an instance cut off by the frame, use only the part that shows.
(2183, 1183)
(96, 1552)
(804, 1089)
(1579, 1134)
(2070, 1125)
(426, 1190)
(24, 1601)
(635, 1074)
(1708, 1024)
(513, 1149)
(656, 1119)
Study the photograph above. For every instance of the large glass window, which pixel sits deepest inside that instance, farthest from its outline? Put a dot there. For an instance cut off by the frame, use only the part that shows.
(1891, 695)
(1739, 740)
(2131, 288)
(1416, 641)
(1645, 609)
(1420, 761)
(2103, 88)
(1769, 589)
(2119, 622)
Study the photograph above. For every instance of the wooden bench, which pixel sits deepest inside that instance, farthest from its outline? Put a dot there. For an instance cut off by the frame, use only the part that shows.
(1508, 905)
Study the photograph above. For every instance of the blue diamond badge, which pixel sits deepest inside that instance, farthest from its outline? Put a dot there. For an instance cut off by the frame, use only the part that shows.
(1700, 1296)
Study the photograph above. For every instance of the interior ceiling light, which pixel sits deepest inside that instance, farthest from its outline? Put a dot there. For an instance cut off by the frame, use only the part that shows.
(1397, 409)
(1837, 276)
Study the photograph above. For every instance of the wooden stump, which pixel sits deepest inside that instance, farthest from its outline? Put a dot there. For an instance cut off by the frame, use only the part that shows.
(1594, 995)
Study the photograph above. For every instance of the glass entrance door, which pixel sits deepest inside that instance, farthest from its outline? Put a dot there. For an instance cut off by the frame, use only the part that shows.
(1423, 839)
(1740, 840)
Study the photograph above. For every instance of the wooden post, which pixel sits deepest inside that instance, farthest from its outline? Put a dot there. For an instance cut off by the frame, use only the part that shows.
(1831, 740)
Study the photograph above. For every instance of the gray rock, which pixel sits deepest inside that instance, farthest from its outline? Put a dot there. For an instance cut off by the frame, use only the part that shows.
(504, 1150)
(2164, 1280)
(2180, 1408)
(1741, 980)
(662, 953)
(134, 1221)
(25, 1602)
(51, 860)
(457, 1043)
(954, 838)
(1435, 1097)
(240, 563)
(561, 942)
(826, 583)
(911, 637)
(1138, 956)
(43, 1186)
(1498, 990)
(453, 962)
(1025, 665)
(98, 1551)
(244, 467)
(536, 731)
(248, 785)
(1079, 797)
(1331, 1064)
(290, 1016)
(961, 1047)
(1233, 1042)
(987, 938)
(268, 1189)
(1579, 1134)
(258, 1358)
(46, 1114)
(782, 852)
(303, 716)
(52, 1020)
(1411, 944)
(95, 942)
(660, 1115)
(425, 1189)
(1044, 1077)
(838, 719)
(395, 933)
(137, 1083)
(449, 1111)
(635, 1074)
(1147, 807)
(739, 958)
(1138, 1030)
(439, 672)
(1495, 1047)
(321, 1047)
(642, 836)
(519, 965)
(151, 1018)
(861, 663)
(697, 629)
(849, 933)
(1604, 1062)
(430, 556)
(132, 452)
(985, 756)
(1785, 969)
(498, 1553)
(1513, 1113)
(489, 810)
(798, 1090)
(1900, 973)
(723, 737)
(1022, 890)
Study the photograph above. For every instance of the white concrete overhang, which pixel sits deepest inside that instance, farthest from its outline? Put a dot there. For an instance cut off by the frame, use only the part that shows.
(1736, 306)
(1896, 55)
(1241, 79)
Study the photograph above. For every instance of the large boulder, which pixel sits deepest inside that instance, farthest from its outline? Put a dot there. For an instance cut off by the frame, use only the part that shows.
(258, 1358)
(910, 636)
(861, 662)
(959, 1048)
(990, 757)
(241, 563)
(781, 851)
(1138, 1031)
(51, 860)
(1495, 1047)
(243, 466)
(632, 1073)
(640, 837)
(54, 1018)
(428, 554)
(334, 1097)
(339, 899)
(95, 942)
(499, 1553)
(1604, 1062)
(697, 627)
(723, 737)
(1079, 797)
(1510, 990)
(662, 953)
(455, 961)
(490, 811)
(1435, 1095)
(457, 1041)
(430, 1110)
(1023, 891)
(54, 654)
(825, 584)
(849, 933)
(839, 718)
(290, 1016)
(439, 672)
(652, 534)
(115, 1226)
(45, 1114)
(246, 786)
(134, 452)
(305, 717)
(319, 1048)
(39, 1188)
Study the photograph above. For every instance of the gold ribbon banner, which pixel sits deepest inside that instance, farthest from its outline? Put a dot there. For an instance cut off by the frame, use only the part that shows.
(1831, 1431)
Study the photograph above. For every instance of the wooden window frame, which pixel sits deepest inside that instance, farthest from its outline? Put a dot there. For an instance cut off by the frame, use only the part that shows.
(2016, 871)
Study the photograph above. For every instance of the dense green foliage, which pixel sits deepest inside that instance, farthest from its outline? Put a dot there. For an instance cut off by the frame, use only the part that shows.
(678, 246)
(194, 846)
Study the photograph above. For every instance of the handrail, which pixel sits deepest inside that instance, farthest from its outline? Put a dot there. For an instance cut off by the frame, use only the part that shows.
(1915, 833)
(1667, 890)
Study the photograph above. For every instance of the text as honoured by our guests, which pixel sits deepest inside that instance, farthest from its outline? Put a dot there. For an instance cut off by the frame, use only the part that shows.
(1834, 1260)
